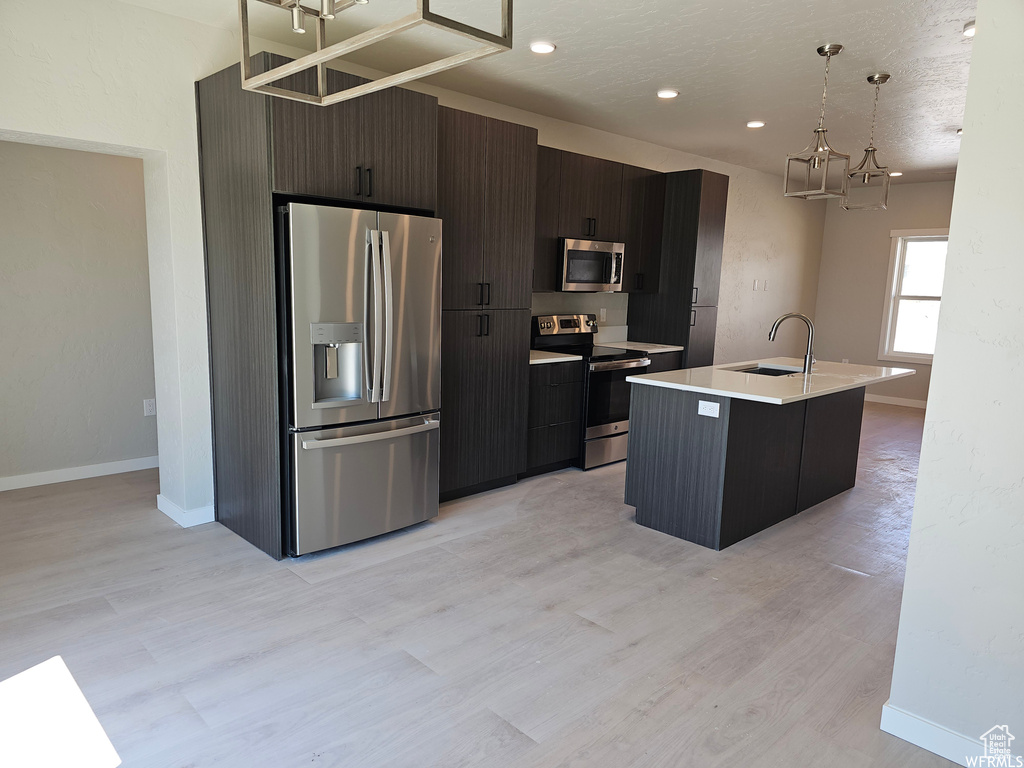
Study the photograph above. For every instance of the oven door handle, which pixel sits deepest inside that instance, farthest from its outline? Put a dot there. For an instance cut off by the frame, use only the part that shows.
(619, 365)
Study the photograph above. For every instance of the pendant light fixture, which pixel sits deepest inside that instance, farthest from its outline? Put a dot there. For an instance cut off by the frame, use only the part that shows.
(869, 181)
(267, 82)
(818, 171)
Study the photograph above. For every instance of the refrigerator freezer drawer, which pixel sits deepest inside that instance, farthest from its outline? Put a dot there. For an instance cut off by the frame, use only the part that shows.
(358, 482)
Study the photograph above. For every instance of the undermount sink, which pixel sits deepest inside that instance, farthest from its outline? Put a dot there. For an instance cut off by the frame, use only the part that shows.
(768, 370)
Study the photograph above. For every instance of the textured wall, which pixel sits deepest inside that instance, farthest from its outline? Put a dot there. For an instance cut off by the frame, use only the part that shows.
(77, 341)
(854, 269)
(960, 650)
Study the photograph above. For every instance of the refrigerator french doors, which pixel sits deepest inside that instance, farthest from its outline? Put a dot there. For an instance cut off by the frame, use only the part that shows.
(364, 379)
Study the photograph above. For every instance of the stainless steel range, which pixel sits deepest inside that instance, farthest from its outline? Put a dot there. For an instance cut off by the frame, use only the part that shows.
(605, 417)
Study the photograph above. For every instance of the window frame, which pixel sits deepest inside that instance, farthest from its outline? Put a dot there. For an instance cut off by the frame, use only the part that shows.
(893, 285)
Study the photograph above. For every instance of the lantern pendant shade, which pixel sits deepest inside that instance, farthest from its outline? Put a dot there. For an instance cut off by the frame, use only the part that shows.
(817, 173)
(869, 185)
(869, 181)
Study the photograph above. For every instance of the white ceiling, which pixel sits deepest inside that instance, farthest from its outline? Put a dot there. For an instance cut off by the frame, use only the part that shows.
(731, 60)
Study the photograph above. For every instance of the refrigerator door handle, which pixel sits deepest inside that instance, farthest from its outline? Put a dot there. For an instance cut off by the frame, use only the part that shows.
(368, 269)
(378, 329)
(389, 317)
(427, 425)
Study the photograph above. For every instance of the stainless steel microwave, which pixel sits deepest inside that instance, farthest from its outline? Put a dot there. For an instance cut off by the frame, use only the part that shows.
(591, 265)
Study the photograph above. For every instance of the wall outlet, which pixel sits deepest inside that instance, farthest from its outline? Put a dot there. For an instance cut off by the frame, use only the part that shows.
(846, 359)
(149, 407)
(705, 408)
(603, 314)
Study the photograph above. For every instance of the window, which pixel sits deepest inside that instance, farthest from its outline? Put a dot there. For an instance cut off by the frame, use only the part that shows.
(910, 324)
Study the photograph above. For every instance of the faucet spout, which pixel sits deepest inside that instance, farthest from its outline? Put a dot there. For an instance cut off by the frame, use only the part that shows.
(809, 357)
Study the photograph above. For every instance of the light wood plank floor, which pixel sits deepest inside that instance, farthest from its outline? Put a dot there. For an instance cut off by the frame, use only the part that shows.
(534, 626)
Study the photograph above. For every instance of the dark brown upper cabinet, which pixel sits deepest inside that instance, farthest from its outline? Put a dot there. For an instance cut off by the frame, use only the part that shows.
(590, 195)
(378, 149)
(707, 260)
(487, 187)
(683, 308)
(546, 256)
(640, 220)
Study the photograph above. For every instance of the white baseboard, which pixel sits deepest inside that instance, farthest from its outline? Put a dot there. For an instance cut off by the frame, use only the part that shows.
(77, 473)
(186, 518)
(928, 735)
(904, 401)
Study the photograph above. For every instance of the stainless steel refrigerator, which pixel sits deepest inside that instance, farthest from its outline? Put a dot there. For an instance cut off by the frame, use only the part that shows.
(363, 292)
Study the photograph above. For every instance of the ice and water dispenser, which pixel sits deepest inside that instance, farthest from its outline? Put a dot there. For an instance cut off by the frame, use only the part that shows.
(338, 364)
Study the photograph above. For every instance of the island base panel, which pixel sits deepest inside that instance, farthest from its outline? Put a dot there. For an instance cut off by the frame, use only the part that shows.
(831, 446)
(676, 463)
(762, 467)
(716, 481)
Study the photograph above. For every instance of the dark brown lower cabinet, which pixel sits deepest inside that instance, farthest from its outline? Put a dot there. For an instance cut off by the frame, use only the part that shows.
(664, 361)
(555, 411)
(485, 360)
(700, 346)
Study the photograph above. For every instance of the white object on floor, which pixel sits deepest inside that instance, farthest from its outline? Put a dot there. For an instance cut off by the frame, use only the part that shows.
(45, 722)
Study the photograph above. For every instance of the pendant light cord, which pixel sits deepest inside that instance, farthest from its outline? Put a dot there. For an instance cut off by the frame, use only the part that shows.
(824, 92)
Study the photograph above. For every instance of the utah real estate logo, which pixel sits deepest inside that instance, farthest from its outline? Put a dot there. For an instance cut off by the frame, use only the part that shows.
(998, 750)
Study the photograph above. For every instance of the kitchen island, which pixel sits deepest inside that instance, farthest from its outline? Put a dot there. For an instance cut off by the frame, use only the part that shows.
(717, 454)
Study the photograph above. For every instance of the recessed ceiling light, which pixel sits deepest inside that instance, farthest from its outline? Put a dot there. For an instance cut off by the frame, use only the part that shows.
(969, 29)
(895, 173)
(667, 93)
(755, 124)
(542, 47)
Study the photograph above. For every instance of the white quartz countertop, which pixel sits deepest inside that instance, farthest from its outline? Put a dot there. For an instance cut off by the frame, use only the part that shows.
(540, 356)
(643, 346)
(727, 381)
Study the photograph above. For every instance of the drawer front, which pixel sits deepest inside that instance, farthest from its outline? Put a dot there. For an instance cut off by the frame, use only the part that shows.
(556, 373)
(555, 404)
(548, 445)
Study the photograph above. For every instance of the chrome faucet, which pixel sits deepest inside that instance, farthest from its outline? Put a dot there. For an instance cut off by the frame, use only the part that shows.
(809, 357)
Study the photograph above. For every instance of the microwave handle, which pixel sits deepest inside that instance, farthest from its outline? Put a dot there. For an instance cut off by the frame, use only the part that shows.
(613, 269)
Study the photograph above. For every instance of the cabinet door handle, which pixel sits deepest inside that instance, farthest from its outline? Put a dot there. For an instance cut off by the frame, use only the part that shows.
(488, 301)
(694, 301)
(593, 228)
(487, 325)
(638, 281)
(693, 318)
(480, 294)
(359, 181)
(479, 325)
(369, 182)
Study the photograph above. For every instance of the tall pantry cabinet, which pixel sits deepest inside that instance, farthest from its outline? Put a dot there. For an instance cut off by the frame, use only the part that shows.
(486, 195)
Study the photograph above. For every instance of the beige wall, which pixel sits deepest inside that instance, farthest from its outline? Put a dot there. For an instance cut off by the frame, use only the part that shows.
(959, 666)
(854, 268)
(77, 340)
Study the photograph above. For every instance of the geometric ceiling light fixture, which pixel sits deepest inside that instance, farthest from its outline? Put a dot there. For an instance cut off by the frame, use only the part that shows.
(869, 181)
(818, 171)
(326, 10)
